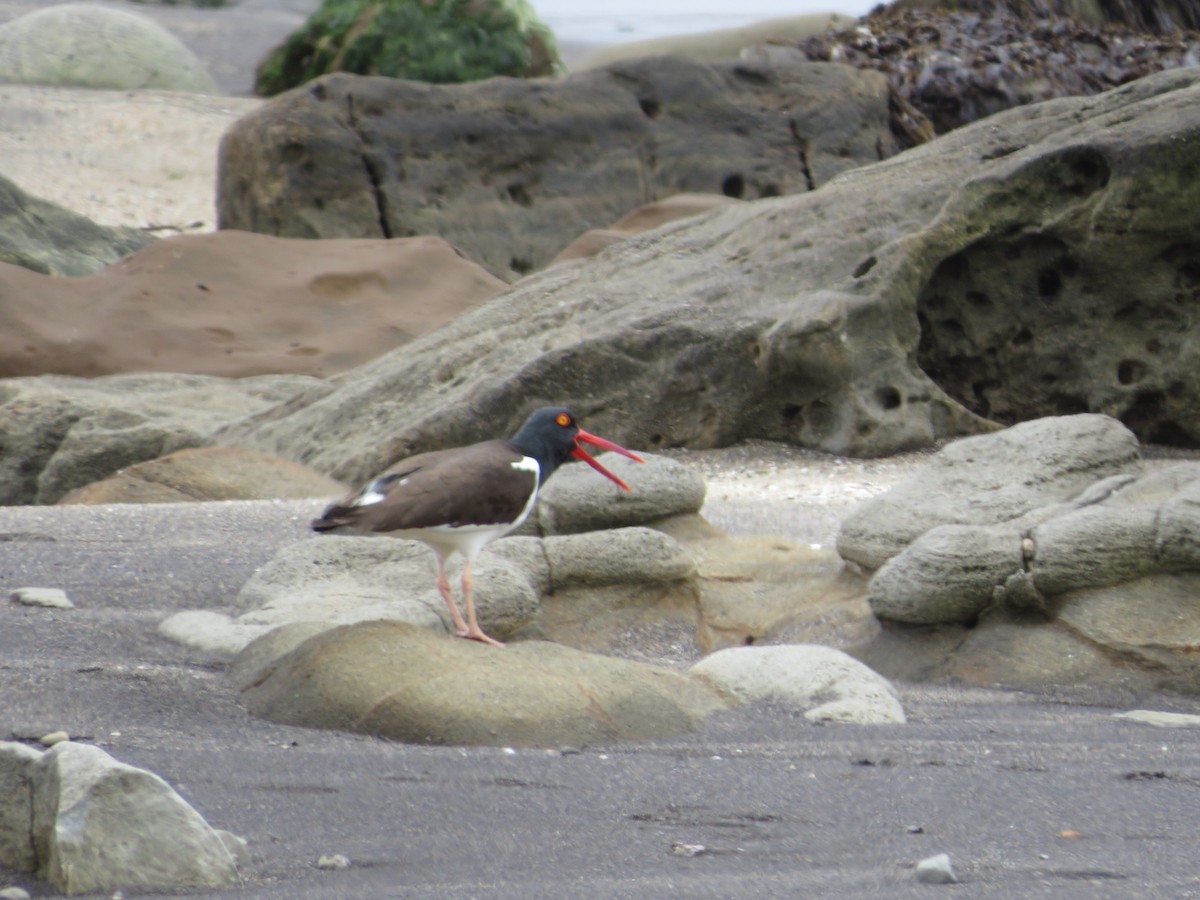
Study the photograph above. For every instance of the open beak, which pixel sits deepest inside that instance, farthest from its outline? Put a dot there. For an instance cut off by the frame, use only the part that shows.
(580, 453)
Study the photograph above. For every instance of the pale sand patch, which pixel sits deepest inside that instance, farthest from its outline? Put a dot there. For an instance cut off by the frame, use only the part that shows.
(146, 159)
(766, 488)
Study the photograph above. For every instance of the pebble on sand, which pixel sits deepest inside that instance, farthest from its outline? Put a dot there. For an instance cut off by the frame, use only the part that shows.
(37, 596)
(936, 870)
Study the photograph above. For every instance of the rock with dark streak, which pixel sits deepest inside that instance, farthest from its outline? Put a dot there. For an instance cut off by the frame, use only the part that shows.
(511, 170)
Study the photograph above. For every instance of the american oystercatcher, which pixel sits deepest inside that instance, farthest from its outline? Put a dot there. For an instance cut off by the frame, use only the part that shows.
(460, 500)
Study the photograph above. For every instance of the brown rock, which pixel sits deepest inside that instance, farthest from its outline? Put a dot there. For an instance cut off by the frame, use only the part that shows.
(644, 218)
(235, 304)
(208, 473)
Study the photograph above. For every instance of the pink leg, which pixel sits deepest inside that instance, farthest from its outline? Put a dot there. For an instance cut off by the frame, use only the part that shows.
(474, 632)
(460, 627)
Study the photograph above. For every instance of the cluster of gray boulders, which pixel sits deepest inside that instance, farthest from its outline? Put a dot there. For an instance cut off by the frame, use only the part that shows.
(1051, 552)
(88, 45)
(349, 632)
(85, 823)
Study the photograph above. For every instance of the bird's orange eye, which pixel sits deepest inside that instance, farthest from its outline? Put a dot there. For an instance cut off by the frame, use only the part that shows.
(563, 419)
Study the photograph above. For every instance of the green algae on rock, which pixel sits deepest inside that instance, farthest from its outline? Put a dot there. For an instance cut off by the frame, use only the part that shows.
(440, 41)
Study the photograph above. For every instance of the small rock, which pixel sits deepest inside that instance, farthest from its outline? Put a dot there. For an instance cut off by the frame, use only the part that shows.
(14, 893)
(54, 737)
(35, 596)
(332, 861)
(936, 870)
(1161, 719)
(679, 848)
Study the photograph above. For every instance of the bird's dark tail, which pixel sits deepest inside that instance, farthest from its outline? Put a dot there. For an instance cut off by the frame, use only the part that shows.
(335, 517)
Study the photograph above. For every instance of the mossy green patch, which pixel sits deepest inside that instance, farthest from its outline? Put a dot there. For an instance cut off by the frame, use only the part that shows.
(440, 41)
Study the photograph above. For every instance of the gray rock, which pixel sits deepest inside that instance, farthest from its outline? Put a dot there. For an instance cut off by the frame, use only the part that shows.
(98, 825)
(1148, 624)
(936, 870)
(341, 580)
(801, 319)
(949, 574)
(258, 658)
(14, 893)
(1160, 718)
(406, 683)
(18, 769)
(822, 683)
(88, 45)
(988, 479)
(1096, 588)
(511, 170)
(332, 580)
(575, 500)
(47, 238)
(761, 590)
(638, 555)
(214, 632)
(37, 596)
(60, 433)
(628, 592)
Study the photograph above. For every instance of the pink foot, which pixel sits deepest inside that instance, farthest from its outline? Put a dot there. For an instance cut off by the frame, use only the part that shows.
(478, 635)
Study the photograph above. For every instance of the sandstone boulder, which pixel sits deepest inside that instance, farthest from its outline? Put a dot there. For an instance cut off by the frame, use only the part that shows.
(342, 580)
(989, 479)
(624, 591)
(589, 589)
(86, 823)
(235, 304)
(406, 683)
(822, 683)
(885, 311)
(1044, 580)
(89, 45)
(60, 433)
(511, 170)
(575, 500)
(764, 590)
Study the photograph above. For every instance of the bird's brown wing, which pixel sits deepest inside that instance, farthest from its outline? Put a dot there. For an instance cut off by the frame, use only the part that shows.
(474, 485)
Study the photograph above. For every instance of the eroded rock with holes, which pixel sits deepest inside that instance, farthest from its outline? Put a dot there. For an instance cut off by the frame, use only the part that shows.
(888, 310)
(512, 170)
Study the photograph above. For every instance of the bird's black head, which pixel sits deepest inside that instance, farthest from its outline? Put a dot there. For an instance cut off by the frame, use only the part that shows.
(548, 435)
(552, 436)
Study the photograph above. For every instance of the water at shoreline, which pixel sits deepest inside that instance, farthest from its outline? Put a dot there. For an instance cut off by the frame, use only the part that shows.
(620, 21)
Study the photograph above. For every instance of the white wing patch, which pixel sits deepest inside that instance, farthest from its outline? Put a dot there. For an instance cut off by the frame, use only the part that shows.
(376, 491)
(528, 464)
